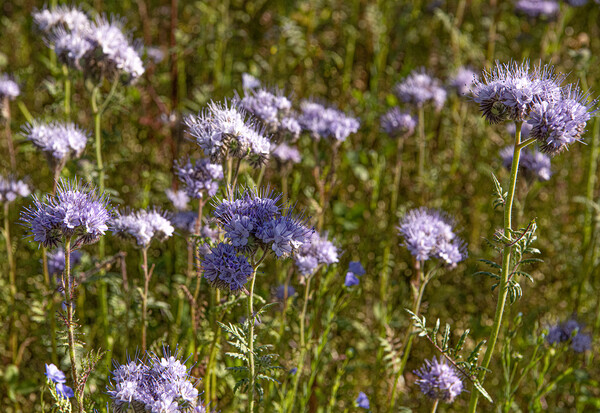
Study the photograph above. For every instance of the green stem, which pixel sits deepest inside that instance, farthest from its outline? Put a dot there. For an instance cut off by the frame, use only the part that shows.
(303, 313)
(69, 289)
(67, 102)
(421, 160)
(409, 336)
(261, 175)
(397, 174)
(503, 284)
(435, 405)
(235, 175)
(147, 276)
(194, 303)
(51, 306)
(12, 282)
(9, 141)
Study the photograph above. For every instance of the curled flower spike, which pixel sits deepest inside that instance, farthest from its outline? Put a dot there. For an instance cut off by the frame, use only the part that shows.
(273, 109)
(324, 122)
(200, 178)
(285, 153)
(397, 123)
(61, 16)
(570, 330)
(439, 380)
(430, 234)
(58, 141)
(225, 269)
(143, 226)
(76, 211)
(318, 250)
(533, 164)
(225, 129)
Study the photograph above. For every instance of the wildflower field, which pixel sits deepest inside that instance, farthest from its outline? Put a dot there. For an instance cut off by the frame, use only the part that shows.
(299, 206)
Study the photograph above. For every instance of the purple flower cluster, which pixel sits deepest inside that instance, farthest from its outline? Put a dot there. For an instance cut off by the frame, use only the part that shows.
(11, 189)
(59, 379)
(428, 234)
(225, 129)
(439, 380)
(200, 178)
(281, 294)
(157, 384)
(274, 111)
(56, 261)
(362, 401)
(557, 114)
(397, 123)
(419, 88)
(538, 8)
(76, 211)
(318, 250)
(179, 199)
(8, 88)
(324, 122)
(355, 270)
(99, 48)
(57, 140)
(570, 330)
(532, 164)
(224, 268)
(142, 226)
(249, 82)
(285, 153)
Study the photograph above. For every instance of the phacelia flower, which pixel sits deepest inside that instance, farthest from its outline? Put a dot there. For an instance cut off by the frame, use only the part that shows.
(281, 292)
(510, 91)
(362, 401)
(77, 211)
(538, 8)
(70, 46)
(11, 189)
(319, 250)
(533, 164)
(201, 178)
(558, 123)
(71, 18)
(58, 141)
(324, 122)
(155, 384)
(271, 108)
(179, 199)
(9, 89)
(56, 261)
(563, 332)
(226, 129)
(463, 80)
(419, 88)
(430, 234)
(397, 123)
(439, 380)
(224, 268)
(256, 218)
(143, 226)
(285, 153)
(249, 82)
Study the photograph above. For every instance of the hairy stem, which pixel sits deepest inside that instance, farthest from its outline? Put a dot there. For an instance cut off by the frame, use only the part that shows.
(11, 282)
(147, 275)
(503, 285)
(9, 141)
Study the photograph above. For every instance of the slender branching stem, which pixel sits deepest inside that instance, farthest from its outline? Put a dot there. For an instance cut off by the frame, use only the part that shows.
(67, 102)
(11, 282)
(9, 141)
(505, 272)
(147, 276)
(238, 162)
(397, 174)
(251, 332)
(261, 175)
(194, 304)
(435, 405)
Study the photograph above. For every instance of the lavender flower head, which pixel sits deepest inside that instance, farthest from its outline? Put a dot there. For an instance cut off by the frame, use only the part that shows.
(439, 380)
(225, 129)
(285, 153)
(356, 268)
(9, 89)
(532, 164)
(156, 384)
(273, 110)
(510, 91)
(77, 211)
(11, 189)
(560, 122)
(429, 234)
(249, 82)
(362, 401)
(225, 269)
(419, 88)
(563, 332)
(397, 123)
(59, 379)
(58, 141)
(200, 178)
(538, 8)
(71, 18)
(185, 222)
(351, 279)
(257, 218)
(324, 122)
(280, 292)
(70, 46)
(463, 80)
(179, 199)
(319, 250)
(143, 226)
(56, 261)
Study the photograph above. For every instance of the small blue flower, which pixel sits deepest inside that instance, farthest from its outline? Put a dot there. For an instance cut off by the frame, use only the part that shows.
(351, 280)
(280, 292)
(356, 268)
(64, 391)
(54, 374)
(293, 371)
(362, 401)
